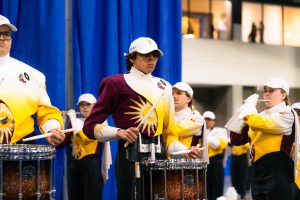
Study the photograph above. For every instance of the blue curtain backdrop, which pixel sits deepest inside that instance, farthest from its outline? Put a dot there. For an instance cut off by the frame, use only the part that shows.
(103, 31)
(39, 42)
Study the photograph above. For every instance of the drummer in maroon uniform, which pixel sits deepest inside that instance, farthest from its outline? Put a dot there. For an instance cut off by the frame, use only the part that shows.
(128, 98)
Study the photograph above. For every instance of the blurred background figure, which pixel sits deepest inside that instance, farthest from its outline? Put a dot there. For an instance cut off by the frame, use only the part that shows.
(296, 107)
(223, 27)
(252, 34)
(239, 165)
(217, 139)
(211, 30)
(261, 30)
(184, 113)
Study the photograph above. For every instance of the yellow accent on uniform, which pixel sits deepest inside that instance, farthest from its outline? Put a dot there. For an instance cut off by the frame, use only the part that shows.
(83, 146)
(240, 150)
(219, 134)
(188, 118)
(222, 146)
(266, 130)
(147, 86)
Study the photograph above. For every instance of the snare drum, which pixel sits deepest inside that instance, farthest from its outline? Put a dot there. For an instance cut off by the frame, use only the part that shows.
(26, 171)
(174, 179)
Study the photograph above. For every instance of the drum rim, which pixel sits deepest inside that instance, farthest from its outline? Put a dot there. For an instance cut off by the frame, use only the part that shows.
(175, 164)
(26, 152)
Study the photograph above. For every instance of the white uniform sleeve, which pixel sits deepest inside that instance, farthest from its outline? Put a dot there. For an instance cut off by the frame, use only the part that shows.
(104, 133)
(49, 125)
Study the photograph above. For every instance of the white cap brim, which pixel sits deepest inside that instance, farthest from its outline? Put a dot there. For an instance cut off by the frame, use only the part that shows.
(145, 51)
(276, 83)
(12, 27)
(296, 106)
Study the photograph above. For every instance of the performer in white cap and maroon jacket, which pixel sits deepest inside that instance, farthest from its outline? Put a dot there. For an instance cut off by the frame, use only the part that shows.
(22, 95)
(271, 134)
(184, 112)
(128, 98)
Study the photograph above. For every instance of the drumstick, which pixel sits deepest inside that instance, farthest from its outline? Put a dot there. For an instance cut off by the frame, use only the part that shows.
(66, 112)
(185, 151)
(147, 115)
(45, 135)
(37, 137)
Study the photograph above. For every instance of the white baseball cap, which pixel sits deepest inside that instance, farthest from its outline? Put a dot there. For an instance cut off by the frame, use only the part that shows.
(275, 83)
(87, 98)
(209, 115)
(5, 21)
(144, 45)
(184, 87)
(296, 106)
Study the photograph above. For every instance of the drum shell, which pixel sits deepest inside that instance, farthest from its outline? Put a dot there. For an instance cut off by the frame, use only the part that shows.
(34, 163)
(174, 179)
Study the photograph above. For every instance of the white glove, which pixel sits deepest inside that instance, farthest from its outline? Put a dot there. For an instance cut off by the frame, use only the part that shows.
(235, 124)
(72, 113)
(247, 109)
(252, 100)
(76, 123)
(213, 141)
(231, 194)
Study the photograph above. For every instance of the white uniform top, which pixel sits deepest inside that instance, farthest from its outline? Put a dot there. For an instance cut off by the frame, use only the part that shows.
(23, 94)
(183, 117)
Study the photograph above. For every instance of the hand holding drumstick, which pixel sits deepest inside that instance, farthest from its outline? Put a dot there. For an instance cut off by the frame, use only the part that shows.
(54, 137)
(194, 153)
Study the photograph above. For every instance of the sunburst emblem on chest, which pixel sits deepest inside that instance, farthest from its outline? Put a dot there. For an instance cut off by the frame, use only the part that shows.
(141, 108)
(6, 123)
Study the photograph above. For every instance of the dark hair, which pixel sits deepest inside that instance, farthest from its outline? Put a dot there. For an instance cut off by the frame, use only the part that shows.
(129, 57)
(286, 99)
(190, 104)
(132, 56)
(297, 111)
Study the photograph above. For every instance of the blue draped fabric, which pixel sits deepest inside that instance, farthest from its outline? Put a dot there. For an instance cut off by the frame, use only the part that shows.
(102, 33)
(39, 42)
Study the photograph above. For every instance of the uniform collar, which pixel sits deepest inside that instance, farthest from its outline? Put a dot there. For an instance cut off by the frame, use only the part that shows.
(276, 108)
(4, 58)
(183, 112)
(139, 74)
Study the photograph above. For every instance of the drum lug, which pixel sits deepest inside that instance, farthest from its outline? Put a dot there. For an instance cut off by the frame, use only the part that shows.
(38, 194)
(2, 195)
(51, 194)
(144, 148)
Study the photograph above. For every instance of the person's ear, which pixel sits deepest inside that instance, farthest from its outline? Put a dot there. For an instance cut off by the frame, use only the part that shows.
(283, 96)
